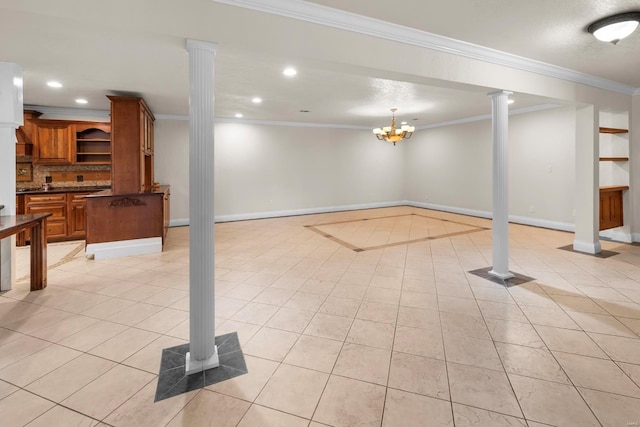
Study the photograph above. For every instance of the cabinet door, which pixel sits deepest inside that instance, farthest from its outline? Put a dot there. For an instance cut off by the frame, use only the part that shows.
(611, 210)
(77, 218)
(53, 143)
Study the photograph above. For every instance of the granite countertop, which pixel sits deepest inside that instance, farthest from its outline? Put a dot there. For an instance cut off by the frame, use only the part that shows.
(62, 189)
(107, 192)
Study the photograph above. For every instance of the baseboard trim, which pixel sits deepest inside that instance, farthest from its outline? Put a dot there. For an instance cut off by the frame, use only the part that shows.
(122, 248)
(635, 237)
(307, 211)
(516, 219)
(617, 235)
(587, 247)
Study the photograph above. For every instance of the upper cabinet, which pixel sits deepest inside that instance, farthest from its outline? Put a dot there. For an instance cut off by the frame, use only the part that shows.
(53, 142)
(93, 143)
(132, 145)
(25, 134)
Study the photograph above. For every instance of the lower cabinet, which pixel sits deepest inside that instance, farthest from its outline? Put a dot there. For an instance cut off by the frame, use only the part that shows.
(56, 204)
(68, 219)
(77, 215)
(118, 217)
(611, 209)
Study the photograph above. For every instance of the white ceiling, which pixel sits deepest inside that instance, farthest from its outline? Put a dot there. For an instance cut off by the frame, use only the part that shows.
(120, 46)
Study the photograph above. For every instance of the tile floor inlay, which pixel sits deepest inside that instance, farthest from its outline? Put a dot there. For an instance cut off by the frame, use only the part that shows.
(172, 380)
(519, 279)
(368, 234)
(461, 350)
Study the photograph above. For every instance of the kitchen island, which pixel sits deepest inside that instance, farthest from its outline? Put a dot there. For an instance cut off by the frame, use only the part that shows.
(127, 224)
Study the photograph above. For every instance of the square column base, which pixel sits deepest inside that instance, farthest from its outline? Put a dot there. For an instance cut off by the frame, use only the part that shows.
(502, 276)
(193, 366)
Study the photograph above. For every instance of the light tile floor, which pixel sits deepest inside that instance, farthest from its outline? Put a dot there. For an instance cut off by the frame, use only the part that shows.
(397, 336)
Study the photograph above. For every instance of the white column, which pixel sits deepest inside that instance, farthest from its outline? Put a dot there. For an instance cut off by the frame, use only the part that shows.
(203, 352)
(586, 238)
(500, 130)
(11, 117)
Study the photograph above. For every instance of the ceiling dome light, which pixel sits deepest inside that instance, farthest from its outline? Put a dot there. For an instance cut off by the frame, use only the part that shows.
(239, 115)
(82, 101)
(54, 84)
(290, 72)
(256, 100)
(614, 28)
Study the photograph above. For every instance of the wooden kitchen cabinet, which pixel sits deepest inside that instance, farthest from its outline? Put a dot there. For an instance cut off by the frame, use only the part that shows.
(56, 204)
(166, 212)
(53, 142)
(77, 215)
(132, 145)
(611, 210)
(93, 143)
(68, 219)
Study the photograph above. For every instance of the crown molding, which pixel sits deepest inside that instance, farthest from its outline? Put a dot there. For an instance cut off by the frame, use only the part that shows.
(335, 18)
(513, 112)
(63, 111)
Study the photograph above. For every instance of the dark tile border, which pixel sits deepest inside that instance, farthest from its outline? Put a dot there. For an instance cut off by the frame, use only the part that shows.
(313, 227)
(602, 254)
(519, 279)
(172, 380)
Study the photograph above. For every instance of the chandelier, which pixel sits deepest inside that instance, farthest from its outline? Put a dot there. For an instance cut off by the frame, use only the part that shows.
(391, 134)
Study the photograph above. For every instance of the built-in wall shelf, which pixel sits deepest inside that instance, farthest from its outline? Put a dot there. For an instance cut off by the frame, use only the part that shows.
(613, 130)
(93, 144)
(607, 188)
(614, 159)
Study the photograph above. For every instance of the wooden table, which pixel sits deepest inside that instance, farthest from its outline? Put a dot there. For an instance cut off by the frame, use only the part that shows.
(12, 224)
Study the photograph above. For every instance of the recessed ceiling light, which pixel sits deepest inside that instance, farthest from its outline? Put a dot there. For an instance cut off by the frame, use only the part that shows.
(238, 115)
(256, 100)
(54, 84)
(511, 101)
(82, 101)
(403, 123)
(290, 72)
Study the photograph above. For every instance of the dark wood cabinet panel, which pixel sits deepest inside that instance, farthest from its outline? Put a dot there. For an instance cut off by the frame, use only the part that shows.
(611, 208)
(53, 142)
(68, 219)
(77, 215)
(55, 205)
(132, 145)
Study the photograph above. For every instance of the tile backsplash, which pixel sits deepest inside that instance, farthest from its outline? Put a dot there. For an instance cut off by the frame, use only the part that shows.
(66, 175)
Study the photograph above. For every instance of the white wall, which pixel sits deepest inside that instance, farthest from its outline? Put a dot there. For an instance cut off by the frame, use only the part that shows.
(278, 169)
(452, 165)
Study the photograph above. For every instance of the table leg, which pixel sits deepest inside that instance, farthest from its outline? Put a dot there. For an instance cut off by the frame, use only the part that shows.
(39, 255)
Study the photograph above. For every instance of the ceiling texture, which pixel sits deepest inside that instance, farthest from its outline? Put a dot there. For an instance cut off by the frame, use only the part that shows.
(123, 47)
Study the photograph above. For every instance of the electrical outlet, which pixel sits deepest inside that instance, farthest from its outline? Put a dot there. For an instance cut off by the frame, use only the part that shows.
(79, 178)
(270, 202)
(550, 168)
(426, 197)
(532, 209)
(48, 179)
